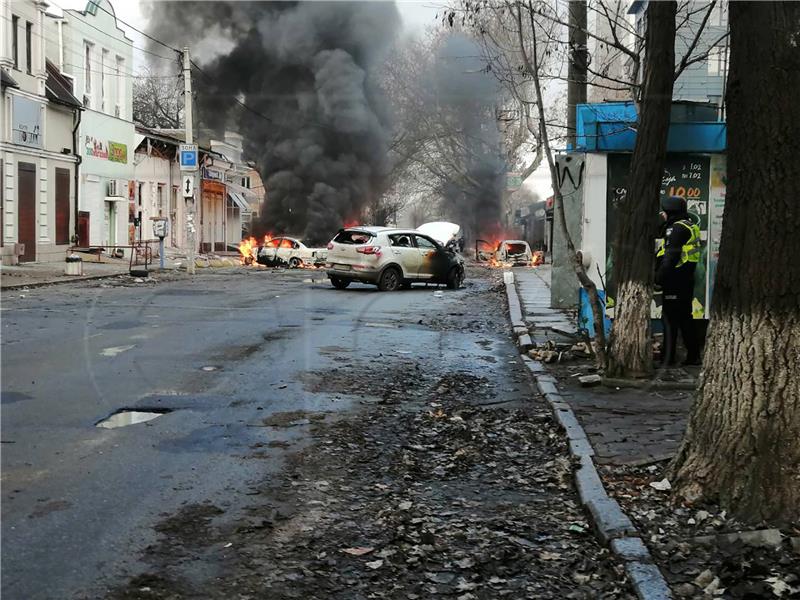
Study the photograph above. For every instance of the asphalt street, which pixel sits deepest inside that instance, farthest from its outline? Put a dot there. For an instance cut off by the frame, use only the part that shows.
(222, 352)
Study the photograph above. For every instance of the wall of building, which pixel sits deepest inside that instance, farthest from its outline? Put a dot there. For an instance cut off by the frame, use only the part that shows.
(35, 131)
(152, 172)
(102, 80)
(564, 287)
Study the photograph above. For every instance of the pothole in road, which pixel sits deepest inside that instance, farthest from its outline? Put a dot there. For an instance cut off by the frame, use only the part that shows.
(125, 417)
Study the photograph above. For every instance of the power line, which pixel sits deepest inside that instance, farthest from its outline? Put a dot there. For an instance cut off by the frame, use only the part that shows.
(69, 50)
(147, 35)
(235, 99)
(76, 14)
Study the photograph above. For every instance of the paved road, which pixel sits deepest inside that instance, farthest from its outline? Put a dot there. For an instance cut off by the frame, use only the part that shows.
(78, 501)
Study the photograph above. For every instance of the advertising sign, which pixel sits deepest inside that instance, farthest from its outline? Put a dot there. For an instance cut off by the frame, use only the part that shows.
(26, 125)
(112, 151)
(685, 175)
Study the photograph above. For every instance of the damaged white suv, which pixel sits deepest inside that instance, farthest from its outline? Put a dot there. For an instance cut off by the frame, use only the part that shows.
(391, 259)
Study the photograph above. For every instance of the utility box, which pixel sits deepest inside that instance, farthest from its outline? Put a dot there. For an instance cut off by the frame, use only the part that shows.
(74, 266)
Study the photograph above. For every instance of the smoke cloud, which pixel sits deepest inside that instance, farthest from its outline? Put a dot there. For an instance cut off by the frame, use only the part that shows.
(315, 124)
(466, 96)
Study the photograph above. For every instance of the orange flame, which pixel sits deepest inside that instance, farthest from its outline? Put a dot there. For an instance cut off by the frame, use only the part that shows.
(248, 249)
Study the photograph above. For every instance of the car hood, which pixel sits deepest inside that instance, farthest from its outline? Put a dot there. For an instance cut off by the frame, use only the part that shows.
(441, 231)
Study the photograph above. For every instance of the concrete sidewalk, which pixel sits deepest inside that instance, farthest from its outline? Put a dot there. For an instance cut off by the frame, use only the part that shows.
(37, 274)
(625, 426)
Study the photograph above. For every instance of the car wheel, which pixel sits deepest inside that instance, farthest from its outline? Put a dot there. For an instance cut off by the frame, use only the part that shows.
(340, 284)
(294, 262)
(390, 280)
(455, 278)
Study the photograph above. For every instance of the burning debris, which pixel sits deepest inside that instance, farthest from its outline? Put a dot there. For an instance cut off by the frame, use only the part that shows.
(314, 123)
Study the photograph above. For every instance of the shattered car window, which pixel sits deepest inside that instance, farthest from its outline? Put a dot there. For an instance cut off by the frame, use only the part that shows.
(353, 237)
(516, 248)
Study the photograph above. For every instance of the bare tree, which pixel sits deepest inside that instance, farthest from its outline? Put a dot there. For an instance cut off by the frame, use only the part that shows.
(157, 100)
(742, 445)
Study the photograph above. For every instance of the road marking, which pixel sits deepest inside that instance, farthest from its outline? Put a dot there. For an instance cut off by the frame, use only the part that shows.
(114, 350)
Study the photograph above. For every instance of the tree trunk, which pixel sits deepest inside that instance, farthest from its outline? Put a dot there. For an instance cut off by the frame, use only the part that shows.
(630, 351)
(576, 84)
(742, 446)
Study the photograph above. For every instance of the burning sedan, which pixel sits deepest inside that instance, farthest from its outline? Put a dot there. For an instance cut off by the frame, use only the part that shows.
(281, 252)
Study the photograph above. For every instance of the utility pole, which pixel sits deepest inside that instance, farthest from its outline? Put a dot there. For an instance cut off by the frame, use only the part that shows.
(576, 84)
(187, 116)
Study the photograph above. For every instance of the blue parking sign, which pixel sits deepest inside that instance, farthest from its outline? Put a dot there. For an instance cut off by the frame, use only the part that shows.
(188, 157)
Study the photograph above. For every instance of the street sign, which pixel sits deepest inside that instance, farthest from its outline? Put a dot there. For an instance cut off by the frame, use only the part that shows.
(188, 157)
(187, 186)
(513, 181)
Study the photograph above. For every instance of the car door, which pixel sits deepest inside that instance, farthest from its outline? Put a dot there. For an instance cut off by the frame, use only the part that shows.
(427, 251)
(404, 253)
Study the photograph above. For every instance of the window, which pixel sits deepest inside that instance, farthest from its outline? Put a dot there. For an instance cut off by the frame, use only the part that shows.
(28, 56)
(424, 243)
(160, 199)
(349, 236)
(400, 240)
(715, 61)
(103, 89)
(120, 88)
(15, 40)
(246, 182)
(87, 69)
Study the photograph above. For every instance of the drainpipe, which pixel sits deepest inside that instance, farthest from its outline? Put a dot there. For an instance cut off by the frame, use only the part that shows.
(76, 174)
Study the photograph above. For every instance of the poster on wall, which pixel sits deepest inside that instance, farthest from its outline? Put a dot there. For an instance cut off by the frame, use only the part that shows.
(112, 151)
(26, 128)
(685, 175)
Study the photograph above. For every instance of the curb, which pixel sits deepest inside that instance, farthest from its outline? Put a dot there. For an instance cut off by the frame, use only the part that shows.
(612, 525)
(36, 284)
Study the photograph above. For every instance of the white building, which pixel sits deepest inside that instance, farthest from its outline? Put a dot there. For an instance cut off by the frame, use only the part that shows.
(96, 54)
(157, 179)
(38, 113)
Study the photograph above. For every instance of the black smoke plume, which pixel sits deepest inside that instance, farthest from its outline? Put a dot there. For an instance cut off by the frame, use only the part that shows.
(314, 123)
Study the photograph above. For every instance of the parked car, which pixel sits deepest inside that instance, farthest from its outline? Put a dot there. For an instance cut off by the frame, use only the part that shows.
(290, 252)
(391, 259)
(515, 252)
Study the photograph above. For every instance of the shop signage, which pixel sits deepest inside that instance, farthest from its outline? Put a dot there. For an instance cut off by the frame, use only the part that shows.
(113, 151)
(27, 122)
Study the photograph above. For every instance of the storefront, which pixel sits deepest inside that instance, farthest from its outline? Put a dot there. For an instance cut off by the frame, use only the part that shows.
(593, 183)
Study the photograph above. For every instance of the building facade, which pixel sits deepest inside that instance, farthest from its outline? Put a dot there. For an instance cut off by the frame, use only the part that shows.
(38, 114)
(154, 191)
(93, 51)
(704, 80)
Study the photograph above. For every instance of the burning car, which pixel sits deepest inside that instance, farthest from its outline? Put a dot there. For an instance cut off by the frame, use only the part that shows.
(514, 252)
(290, 252)
(391, 259)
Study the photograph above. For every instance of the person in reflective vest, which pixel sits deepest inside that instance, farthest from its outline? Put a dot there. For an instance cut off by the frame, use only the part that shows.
(677, 255)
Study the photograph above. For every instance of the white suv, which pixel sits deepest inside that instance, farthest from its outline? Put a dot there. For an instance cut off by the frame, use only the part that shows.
(391, 259)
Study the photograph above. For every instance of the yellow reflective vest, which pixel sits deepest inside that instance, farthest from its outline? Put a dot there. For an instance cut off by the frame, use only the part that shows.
(690, 251)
